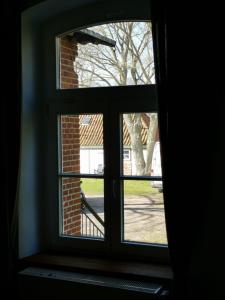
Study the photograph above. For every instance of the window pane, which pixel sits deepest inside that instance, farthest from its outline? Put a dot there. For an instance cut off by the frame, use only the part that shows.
(81, 144)
(144, 218)
(112, 54)
(82, 202)
(141, 149)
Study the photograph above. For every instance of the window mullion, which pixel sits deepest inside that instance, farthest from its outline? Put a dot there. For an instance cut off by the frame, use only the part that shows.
(115, 185)
(107, 176)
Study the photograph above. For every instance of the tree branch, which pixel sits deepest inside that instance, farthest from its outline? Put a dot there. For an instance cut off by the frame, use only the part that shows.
(95, 74)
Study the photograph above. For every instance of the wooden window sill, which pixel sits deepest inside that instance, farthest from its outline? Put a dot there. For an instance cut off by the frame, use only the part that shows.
(141, 270)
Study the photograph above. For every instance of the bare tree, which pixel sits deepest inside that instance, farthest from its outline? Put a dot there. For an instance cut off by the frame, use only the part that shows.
(131, 62)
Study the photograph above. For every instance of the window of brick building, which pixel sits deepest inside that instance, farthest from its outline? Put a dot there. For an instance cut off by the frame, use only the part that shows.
(126, 154)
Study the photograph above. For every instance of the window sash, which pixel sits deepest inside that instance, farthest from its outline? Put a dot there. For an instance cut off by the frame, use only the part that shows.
(115, 100)
(112, 144)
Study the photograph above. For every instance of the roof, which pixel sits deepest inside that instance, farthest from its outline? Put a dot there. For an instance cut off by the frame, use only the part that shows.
(85, 36)
(92, 134)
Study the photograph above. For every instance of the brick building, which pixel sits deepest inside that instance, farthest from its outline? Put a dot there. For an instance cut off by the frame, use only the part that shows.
(70, 134)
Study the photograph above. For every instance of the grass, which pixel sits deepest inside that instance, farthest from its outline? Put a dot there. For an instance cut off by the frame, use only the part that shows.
(132, 187)
(92, 186)
(137, 187)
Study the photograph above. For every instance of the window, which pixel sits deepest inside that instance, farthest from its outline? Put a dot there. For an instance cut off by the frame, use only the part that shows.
(86, 120)
(126, 154)
(103, 129)
(81, 199)
(111, 54)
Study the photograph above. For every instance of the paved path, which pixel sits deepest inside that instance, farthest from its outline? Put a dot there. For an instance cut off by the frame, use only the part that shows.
(144, 217)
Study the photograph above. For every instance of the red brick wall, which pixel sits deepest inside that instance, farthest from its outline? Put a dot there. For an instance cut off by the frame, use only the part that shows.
(68, 53)
(70, 139)
(127, 167)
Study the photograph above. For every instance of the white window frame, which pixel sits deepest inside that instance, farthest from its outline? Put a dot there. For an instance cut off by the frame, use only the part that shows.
(93, 100)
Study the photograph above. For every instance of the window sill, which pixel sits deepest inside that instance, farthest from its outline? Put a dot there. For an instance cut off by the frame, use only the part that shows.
(120, 268)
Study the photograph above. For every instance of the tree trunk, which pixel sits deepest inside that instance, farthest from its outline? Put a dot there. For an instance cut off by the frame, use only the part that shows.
(134, 126)
(151, 139)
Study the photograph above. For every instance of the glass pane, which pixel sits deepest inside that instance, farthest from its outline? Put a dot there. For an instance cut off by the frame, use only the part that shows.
(144, 218)
(112, 54)
(141, 148)
(82, 202)
(81, 144)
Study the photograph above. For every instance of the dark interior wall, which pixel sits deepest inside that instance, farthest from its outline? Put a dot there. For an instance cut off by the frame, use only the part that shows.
(196, 141)
(9, 126)
(197, 124)
(30, 159)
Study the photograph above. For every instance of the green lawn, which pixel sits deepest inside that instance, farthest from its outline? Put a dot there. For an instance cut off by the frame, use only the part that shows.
(92, 186)
(132, 187)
